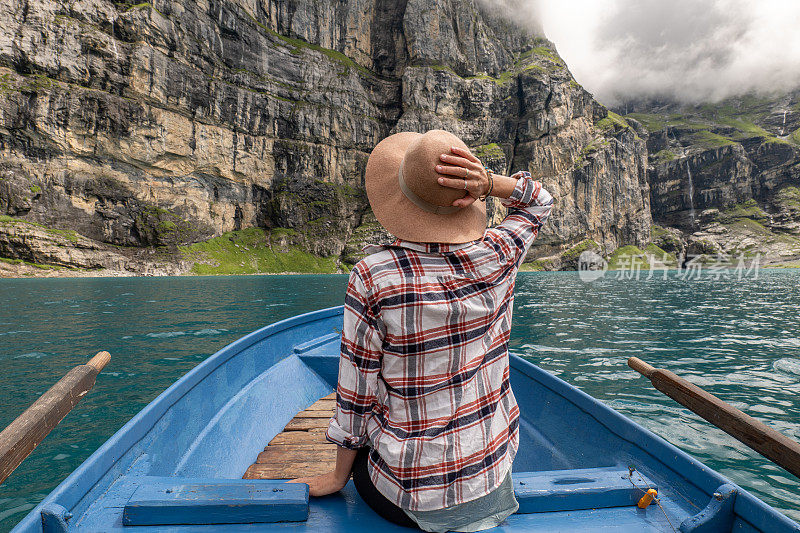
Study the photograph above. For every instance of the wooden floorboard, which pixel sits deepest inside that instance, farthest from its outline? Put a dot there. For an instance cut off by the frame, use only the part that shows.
(300, 449)
(300, 424)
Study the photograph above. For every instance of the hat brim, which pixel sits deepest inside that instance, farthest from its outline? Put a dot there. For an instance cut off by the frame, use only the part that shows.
(399, 215)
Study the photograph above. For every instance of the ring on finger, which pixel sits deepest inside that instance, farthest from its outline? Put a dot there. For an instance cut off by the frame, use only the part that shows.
(465, 185)
(467, 176)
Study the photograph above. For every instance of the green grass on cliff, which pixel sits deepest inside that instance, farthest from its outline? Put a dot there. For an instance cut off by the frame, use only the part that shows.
(612, 123)
(661, 255)
(539, 58)
(664, 156)
(297, 46)
(709, 139)
(789, 195)
(655, 122)
(34, 265)
(749, 209)
(724, 123)
(489, 151)
(537, 265)
(628, 257)
(254, 251)
(575, 252)
(64, 233)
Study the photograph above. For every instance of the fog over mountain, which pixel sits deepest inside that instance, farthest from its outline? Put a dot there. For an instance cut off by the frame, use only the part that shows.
(687, 50)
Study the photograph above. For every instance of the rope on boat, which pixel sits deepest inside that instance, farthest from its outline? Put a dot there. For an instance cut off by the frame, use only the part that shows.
(631, 470)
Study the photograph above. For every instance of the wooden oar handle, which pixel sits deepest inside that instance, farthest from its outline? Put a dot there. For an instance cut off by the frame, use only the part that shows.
(641, 367)
(100, 360)
(27, 431)
(772, 444)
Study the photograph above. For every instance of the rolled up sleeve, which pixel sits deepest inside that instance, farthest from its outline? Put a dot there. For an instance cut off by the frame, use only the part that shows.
(359, 365)
(529, 207)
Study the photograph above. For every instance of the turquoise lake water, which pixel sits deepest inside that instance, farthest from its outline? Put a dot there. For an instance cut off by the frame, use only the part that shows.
(739, 339)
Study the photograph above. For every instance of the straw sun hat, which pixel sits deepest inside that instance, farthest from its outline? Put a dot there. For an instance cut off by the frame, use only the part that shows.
(406, 197)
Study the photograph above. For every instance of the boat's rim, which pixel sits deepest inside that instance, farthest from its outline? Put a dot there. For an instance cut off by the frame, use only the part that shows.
(680, 462)
(101, 461)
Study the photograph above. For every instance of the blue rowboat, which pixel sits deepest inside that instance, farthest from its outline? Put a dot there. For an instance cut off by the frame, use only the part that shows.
(177, 465)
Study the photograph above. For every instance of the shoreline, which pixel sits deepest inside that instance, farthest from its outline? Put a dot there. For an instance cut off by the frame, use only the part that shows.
(31, 272)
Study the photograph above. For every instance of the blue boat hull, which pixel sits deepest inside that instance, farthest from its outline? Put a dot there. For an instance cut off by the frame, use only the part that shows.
(212, 423)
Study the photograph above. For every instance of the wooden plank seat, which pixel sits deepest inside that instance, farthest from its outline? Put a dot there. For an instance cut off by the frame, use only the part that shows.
(300, 449)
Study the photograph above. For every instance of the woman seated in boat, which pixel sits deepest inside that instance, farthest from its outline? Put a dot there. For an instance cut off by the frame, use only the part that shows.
(425, 418)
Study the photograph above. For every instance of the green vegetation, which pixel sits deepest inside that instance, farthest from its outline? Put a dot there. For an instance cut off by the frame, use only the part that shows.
(35, 265)
(489, 151)
(132, 5)
(650, 122)
(140, 6)
(745, 210)
(708, 139)
(503, 78)
(654, 122)
(663, 156)
(612, 123)
(660, 254)
(777, 140)
(541, 51)
(38, 82)
(730, 121)
(64, 233)
(159, 226)
(298, 45)
(369, 231)
(750, 225)
(35, 189)
(537, 265)
(573, 253)
(657, 231)
(253, 251)
(6, 83)
(590, 148)
(665, 239)
(628, 257)
(745, 129)
(526, 61)
(790, 264)
(789, 195)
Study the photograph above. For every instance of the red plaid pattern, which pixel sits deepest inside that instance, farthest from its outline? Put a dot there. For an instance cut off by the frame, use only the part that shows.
(423, 372)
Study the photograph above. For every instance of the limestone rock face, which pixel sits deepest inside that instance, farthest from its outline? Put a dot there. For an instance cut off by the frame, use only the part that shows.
(721, 177)
(725, 177)
(37, 246)
(160, 124)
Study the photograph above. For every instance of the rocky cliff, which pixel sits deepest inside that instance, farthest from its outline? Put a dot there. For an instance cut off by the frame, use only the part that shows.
(724, 178)
(156, 126)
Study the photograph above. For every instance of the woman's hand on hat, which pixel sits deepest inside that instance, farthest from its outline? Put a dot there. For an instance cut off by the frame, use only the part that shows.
(470, 175)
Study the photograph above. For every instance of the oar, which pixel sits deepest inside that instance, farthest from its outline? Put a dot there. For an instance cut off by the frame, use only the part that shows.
(19, 439)
(775, 446)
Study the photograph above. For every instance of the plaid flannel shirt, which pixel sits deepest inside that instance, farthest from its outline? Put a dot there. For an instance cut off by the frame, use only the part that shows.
(424, 369)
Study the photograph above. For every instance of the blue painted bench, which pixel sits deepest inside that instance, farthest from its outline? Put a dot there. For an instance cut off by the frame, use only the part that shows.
(572, 490)
(177, 501)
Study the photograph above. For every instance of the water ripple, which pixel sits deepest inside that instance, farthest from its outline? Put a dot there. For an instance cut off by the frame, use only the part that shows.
(166, 334)
(740, 341)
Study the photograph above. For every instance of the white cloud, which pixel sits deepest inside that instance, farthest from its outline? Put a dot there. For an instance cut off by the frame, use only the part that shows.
(690, 50)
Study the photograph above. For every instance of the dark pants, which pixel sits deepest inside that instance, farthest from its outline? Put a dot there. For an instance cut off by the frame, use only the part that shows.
(375, 499)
